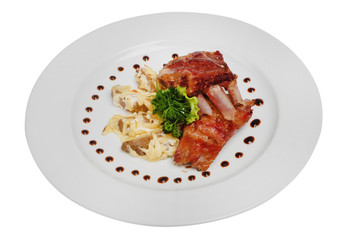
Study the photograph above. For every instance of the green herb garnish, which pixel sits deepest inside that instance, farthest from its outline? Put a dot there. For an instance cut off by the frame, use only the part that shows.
(175, 108)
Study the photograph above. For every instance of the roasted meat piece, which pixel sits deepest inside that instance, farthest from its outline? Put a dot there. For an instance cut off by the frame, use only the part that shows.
(197, 71)
(207, 76)
(203, 139)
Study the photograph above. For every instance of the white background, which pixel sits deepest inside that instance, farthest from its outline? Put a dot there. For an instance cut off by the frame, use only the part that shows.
(321, 203)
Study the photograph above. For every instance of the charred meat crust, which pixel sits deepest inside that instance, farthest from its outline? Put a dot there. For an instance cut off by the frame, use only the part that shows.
(204, 74)
(203, 139)
(191, 70)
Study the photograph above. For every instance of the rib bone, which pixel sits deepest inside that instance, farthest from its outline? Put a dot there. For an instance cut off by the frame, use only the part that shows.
(203, 105)
(221, 101)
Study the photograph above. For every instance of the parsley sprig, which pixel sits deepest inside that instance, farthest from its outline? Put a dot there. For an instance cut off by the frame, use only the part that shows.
(175, 108)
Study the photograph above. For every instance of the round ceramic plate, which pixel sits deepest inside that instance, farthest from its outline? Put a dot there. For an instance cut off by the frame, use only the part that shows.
(71, 104)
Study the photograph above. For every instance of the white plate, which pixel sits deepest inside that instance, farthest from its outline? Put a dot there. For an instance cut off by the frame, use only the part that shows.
(290, 121)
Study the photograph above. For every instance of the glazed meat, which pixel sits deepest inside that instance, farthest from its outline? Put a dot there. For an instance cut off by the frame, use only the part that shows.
(207, 76)
(197, 71)
(203, 139)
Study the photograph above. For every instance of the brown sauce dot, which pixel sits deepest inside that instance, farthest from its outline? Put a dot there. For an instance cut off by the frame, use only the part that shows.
(85, 132)
(206, 173)
(99, 150)
(92, 142)
(95, 97)
(100, 87)
(120, 69)
(109, 159)
(162, 180)
(146, 177)
(86, 120)
(135, 172)
(164, 64)
(89, 109)
(239, 154)
(255, 123)
(112, 78)
(224, 163)
(251, 90)
(175, 55)
(146, 58)
(249, 140)
(191, 177)
(177, 180)
(246, 80)
(136, 66)
(258, 101)
(120, 169)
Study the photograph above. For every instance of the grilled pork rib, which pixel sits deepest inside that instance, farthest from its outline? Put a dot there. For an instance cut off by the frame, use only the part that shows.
(205, 74)
(203, 139)
(197, 71)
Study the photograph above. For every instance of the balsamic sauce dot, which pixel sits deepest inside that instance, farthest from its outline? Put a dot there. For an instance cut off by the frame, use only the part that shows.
(164, 64)
(120, 169)
(175, 55)
(146, 177)
(86, 120)
(99, 150)
(258, 101)
(177, 180)
(239, 154)
(162, 180)
(224, 164)
(95, 97)
(100, 87)
(246, 80)
(206, 173)
(250, 90)
(249, 140)
(92, 142)
(109, 159)
(255, 123)
(135, 172)
(120, 69)
(85, 132)
(136, 66)
(191, 177)
(89, 109)
(112, 78)
(146, 58)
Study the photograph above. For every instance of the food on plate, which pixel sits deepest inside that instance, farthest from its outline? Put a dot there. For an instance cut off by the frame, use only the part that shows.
(197, 71)
(142, 136)
(147, 79)
(141, 130)
(133, 125)
(133, 100)
(188, 111)
(203, 140)
(206, 75)
(155, 146)
(175, 108)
